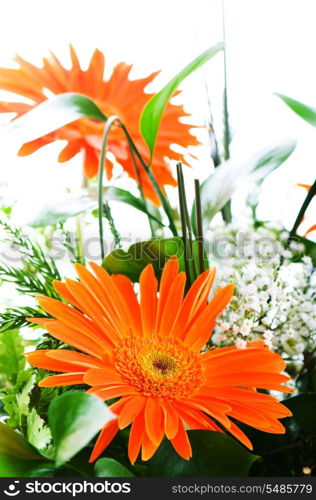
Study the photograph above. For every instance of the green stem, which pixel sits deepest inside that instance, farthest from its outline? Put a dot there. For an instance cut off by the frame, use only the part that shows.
(109, 123)
(199, 224)
(186, 215)
(79, 248)
(149, 172)
(140, 185)
(311, 193)
(226, 210)
(184, 229)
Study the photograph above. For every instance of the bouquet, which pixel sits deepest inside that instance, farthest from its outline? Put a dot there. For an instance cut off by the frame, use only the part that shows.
(189, 353)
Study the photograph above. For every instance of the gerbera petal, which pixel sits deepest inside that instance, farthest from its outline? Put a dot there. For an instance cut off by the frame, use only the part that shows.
(172, 305)
(102, 376)
(181, 442)
(170, 419)
(130, 411)
(40, 360)
(199, 333)
(148, 447)
(136, 437)
(107, 434)
(62, 380)
(154, 421)
(148, 300)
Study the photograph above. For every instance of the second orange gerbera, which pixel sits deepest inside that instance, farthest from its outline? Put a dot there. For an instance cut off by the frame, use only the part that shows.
(116, 96)
(149, 353)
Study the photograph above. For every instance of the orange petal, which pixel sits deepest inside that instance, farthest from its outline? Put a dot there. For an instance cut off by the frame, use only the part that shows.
(130, 411)
(108, 432)
(154, 421)
(102, 376)
(199, 333)
(62, 380)
(181, 443)
(170, 419)
(136, 437)
(148, 448)
(41, 359)
(148, 300)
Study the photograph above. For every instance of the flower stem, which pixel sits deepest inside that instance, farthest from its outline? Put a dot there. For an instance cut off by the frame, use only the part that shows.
(139, 183)
(199, 224)
(148, 170)
(183, 227)
(311, 193)
(186, 215)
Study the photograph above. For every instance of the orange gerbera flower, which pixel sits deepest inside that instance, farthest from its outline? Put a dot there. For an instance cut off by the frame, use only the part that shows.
(148, 354)
(116, 96)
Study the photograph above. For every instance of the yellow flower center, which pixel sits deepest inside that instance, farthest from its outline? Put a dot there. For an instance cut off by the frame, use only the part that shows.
(159, 367)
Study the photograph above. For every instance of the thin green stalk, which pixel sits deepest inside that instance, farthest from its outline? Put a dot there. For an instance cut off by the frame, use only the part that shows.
(199, 224)
(108, 125)
(116, 235)
(79, 244)
(311, 193)
(226, 210)
(184, 229)
(140, 187)
(148, 170)
(186, 214)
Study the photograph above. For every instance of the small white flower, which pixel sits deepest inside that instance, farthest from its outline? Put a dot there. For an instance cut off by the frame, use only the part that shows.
(241, 344)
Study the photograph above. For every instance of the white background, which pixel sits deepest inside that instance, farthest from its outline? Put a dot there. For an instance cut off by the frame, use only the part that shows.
(270, 48)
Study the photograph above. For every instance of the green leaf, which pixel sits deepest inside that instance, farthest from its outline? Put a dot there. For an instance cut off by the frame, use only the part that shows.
(52, 114)
(219, 187)
(153, 111)
(286, 454)
(38, 433)
(303, 408)
(11, 359)
(214, 455)
(308, 113)
(108, 467)
(74, 419)
(61, 211)
(17, 401)
(139, 255)
(17, 458)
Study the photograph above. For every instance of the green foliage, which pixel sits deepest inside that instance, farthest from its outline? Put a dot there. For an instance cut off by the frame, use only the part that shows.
(74, 418)
(24, 404)
(285, 455)
(17, 400)
(308, 113)
(52, 114)
(17, 458)
(139, 255)
(108, 467)
(214, 455)
(219, 187)
(37, 271)
(16, 317)
(11, 359)
(153, 110)
(38, 433)
(51, 215)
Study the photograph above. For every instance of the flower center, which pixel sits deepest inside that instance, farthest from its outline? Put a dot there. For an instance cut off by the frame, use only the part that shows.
(160, 364)
(160, 367)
